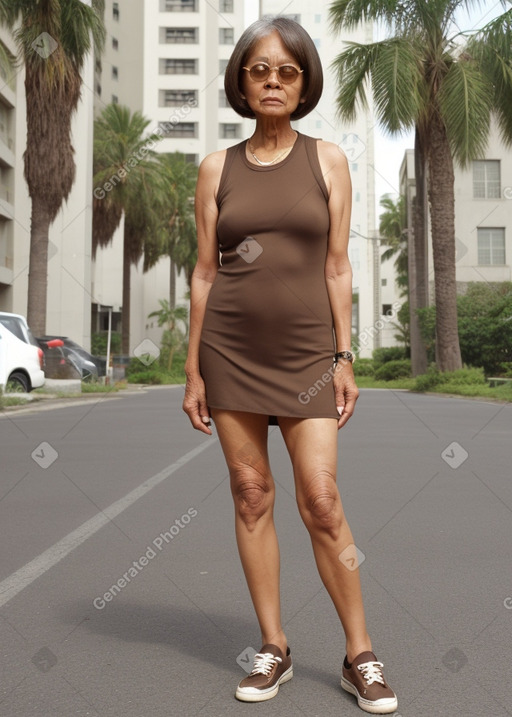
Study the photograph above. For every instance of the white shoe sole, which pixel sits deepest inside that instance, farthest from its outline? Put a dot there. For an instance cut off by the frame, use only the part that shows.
(262, 695)
(382, 708)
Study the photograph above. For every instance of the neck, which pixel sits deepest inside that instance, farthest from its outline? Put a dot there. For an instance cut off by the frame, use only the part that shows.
(271, 135)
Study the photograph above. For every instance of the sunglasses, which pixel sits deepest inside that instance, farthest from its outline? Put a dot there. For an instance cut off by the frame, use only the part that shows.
(260, 72)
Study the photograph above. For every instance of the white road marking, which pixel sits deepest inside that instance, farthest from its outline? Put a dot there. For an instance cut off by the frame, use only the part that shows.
(26, 575)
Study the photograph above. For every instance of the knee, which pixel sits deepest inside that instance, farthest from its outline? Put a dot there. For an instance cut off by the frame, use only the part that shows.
(253, 494)
(321, 506)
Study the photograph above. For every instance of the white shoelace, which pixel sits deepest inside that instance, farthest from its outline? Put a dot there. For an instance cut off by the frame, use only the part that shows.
(263, 663)
(372, 672)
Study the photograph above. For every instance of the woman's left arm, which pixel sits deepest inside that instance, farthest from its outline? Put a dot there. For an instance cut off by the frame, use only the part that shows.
(338, 272)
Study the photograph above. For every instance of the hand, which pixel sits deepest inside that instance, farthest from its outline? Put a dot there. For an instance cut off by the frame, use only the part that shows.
(194, 404)
(345, 390)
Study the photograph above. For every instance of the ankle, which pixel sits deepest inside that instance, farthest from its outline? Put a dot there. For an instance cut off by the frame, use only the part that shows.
(353, 649)
(275, 638)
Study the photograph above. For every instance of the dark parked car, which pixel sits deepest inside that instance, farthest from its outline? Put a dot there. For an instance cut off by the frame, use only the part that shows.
(75, 356)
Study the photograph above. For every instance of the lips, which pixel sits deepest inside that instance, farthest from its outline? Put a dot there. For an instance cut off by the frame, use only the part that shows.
(272, 100)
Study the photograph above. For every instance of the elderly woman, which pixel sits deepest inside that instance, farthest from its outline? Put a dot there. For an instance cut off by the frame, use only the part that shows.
(270, 336)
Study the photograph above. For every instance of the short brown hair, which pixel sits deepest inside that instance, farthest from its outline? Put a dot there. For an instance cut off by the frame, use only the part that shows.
(301, 46)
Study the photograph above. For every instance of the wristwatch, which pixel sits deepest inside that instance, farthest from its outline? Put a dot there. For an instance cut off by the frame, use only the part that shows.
(347, 355)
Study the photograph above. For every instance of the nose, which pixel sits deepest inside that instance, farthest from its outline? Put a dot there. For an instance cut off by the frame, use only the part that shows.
(273, 79)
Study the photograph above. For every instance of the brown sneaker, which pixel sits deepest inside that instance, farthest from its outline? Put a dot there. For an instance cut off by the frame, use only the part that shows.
(271, 668)
(364, 679)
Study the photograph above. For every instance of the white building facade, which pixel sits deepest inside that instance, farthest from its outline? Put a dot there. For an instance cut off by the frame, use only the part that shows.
(483, 215)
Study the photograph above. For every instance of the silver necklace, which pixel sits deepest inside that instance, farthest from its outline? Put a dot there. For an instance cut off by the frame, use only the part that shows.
(272, 161)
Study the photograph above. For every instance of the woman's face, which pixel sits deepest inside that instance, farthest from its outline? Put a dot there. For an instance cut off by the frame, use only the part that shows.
(272, 97)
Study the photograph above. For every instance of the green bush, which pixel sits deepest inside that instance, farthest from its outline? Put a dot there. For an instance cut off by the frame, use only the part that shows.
(363, 367)
(99, 343)
(462, 377)
(389, 353)
(151, 377)
(485, 328)
(392, 370)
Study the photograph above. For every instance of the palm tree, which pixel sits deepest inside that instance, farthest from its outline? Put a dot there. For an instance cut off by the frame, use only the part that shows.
(423, 78)
(178, 238)
(54, 38)
(393, 234)
(171, 316)
(127, 180)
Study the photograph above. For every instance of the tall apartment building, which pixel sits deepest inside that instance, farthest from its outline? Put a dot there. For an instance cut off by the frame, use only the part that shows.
(483, 215)
(69, 279)
(165, 58)
(356, 139)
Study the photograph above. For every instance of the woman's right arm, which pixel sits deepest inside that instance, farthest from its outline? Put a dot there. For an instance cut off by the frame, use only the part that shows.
(206, 211)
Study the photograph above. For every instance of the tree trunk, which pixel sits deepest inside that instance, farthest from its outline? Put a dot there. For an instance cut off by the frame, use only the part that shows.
(125, 319)
(172, 285)
(38, 267)
(418, 266)
(442, 217)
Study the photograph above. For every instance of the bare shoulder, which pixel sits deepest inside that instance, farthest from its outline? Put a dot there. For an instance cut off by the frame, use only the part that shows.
(213, 163)
(210, 171)
(334, 166)
(331, 154)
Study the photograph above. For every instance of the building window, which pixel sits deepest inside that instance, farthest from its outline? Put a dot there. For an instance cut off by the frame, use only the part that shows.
(491, 246)
(318, 18)
(222, 66)
(115, 100)
(115, 73)
(171, 66)
(486, 179)
(115, 11)
(384, 282)
(177, 98)
(178, 129)
(223, 100)
(229, 131)
(387, 310)
(98, 89)
(181, 35)
(178, 5)
(192, 158)
(226, 6)
(115, 43)
(226, 36)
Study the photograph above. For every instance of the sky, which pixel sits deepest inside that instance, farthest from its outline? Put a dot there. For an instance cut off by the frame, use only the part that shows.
(389, 152)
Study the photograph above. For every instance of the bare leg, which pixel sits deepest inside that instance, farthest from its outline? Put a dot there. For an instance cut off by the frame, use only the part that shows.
(243, 437)
(312, 444)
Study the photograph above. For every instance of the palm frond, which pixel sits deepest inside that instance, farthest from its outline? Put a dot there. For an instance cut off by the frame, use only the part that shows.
(465, 102)
(347, 14)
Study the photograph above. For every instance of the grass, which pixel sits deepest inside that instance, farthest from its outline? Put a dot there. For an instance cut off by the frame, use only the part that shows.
(497, 393)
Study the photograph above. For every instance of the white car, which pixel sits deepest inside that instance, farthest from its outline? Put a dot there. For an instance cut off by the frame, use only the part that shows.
(21, 363)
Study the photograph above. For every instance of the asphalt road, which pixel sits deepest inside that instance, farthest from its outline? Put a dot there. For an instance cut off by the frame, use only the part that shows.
(121, 592)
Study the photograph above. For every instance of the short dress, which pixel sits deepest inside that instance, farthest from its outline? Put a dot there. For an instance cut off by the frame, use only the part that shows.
(267, 339)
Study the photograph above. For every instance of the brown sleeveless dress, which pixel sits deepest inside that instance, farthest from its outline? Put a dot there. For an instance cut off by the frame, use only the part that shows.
(267, 340)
